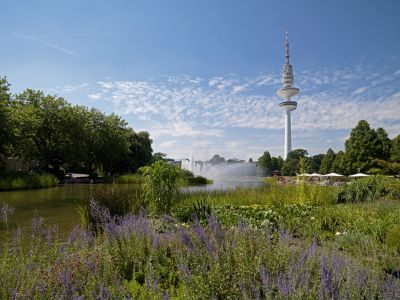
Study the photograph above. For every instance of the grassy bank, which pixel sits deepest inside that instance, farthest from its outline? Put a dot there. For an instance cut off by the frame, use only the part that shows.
(26, 181)
(140, 179)
(126, 179)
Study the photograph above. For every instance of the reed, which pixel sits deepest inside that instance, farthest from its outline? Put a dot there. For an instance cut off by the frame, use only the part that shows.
(19, 181)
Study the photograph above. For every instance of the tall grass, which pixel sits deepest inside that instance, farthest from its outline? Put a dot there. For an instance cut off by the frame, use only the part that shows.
(271, 194)
(108, 203)
(126, 179)
(369, 189)
(20, 181)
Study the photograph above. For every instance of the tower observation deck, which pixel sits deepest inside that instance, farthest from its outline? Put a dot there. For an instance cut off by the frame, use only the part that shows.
(287, 91)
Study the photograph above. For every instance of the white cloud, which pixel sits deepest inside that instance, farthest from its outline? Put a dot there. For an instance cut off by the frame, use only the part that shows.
(183, 106)
(360, 90)
(182, 129)
(167, 144)
(68, 89)
(96, 96)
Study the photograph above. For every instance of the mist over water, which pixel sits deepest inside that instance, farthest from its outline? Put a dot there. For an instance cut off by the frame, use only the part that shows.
(226, 175)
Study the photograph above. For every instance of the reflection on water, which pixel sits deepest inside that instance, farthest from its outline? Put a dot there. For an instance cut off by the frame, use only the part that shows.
(59, 205)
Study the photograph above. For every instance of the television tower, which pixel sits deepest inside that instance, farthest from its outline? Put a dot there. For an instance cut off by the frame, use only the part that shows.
(286, 92)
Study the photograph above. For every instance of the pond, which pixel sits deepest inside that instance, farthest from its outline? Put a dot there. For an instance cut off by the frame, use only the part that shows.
(59, 205)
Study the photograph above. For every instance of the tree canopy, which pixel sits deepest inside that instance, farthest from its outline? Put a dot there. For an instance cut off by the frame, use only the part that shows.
(63, 137)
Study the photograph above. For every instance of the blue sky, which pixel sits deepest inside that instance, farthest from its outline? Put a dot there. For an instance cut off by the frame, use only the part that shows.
(201, 76)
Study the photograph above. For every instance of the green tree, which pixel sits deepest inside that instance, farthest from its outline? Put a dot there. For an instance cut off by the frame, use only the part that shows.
(216, 159)
(395, 150)
(109, 138)
(341, 164)
(265, 163)
(362, 146)
(314, 163)
(291, 166)
(42, 129)
(5, 126)
(140, 149)
(277, 164)
(159, 156)
(327, 161)
(385, 144)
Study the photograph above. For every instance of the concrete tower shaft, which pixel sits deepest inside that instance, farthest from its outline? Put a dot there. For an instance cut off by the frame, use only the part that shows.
(286, 92)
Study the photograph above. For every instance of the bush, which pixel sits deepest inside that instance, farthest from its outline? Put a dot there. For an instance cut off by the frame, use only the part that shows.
(364, 190)
(393, 237)
(161, 185)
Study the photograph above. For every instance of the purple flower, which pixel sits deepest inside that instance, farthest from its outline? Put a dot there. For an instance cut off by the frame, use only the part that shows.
(264, 277)
(326, 282)
(37, 224)
(186, 239)
(5, 212)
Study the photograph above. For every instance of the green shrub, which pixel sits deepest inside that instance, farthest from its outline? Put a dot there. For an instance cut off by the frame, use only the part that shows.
(161, 186)
(364, 190)
(393, 237)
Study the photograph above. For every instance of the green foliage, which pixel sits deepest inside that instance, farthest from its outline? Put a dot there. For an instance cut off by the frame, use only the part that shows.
(341, 164)
(393, 237)
(197, 180)
(364, 190)
(276, 164)
(327, 162)
(216, 159)
(116, 203)
(385, 144)
(127, 179)
(314, 163)
(5, 125)
(159, 156)
(362, 145)
(161, 185)
(63, 137)
(291, 166)
(198, 208)
(290, 216)
(265, 163)
(19, 181)
(140, 150)
(395, 150)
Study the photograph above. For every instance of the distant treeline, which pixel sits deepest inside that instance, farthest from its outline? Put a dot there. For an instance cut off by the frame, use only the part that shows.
(63, 137)
(366, 150)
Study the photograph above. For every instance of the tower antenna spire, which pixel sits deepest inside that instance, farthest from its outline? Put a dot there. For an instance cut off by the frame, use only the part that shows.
(287, 48)
(286, 92)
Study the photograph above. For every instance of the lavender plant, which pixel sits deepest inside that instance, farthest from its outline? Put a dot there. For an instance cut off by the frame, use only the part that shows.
(5, 212)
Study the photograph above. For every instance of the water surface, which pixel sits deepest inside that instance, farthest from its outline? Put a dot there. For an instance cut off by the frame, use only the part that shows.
(58, 205)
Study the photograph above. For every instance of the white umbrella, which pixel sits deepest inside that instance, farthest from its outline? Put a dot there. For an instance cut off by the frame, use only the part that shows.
(359, 175)
(333, 175)
(315, 175)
